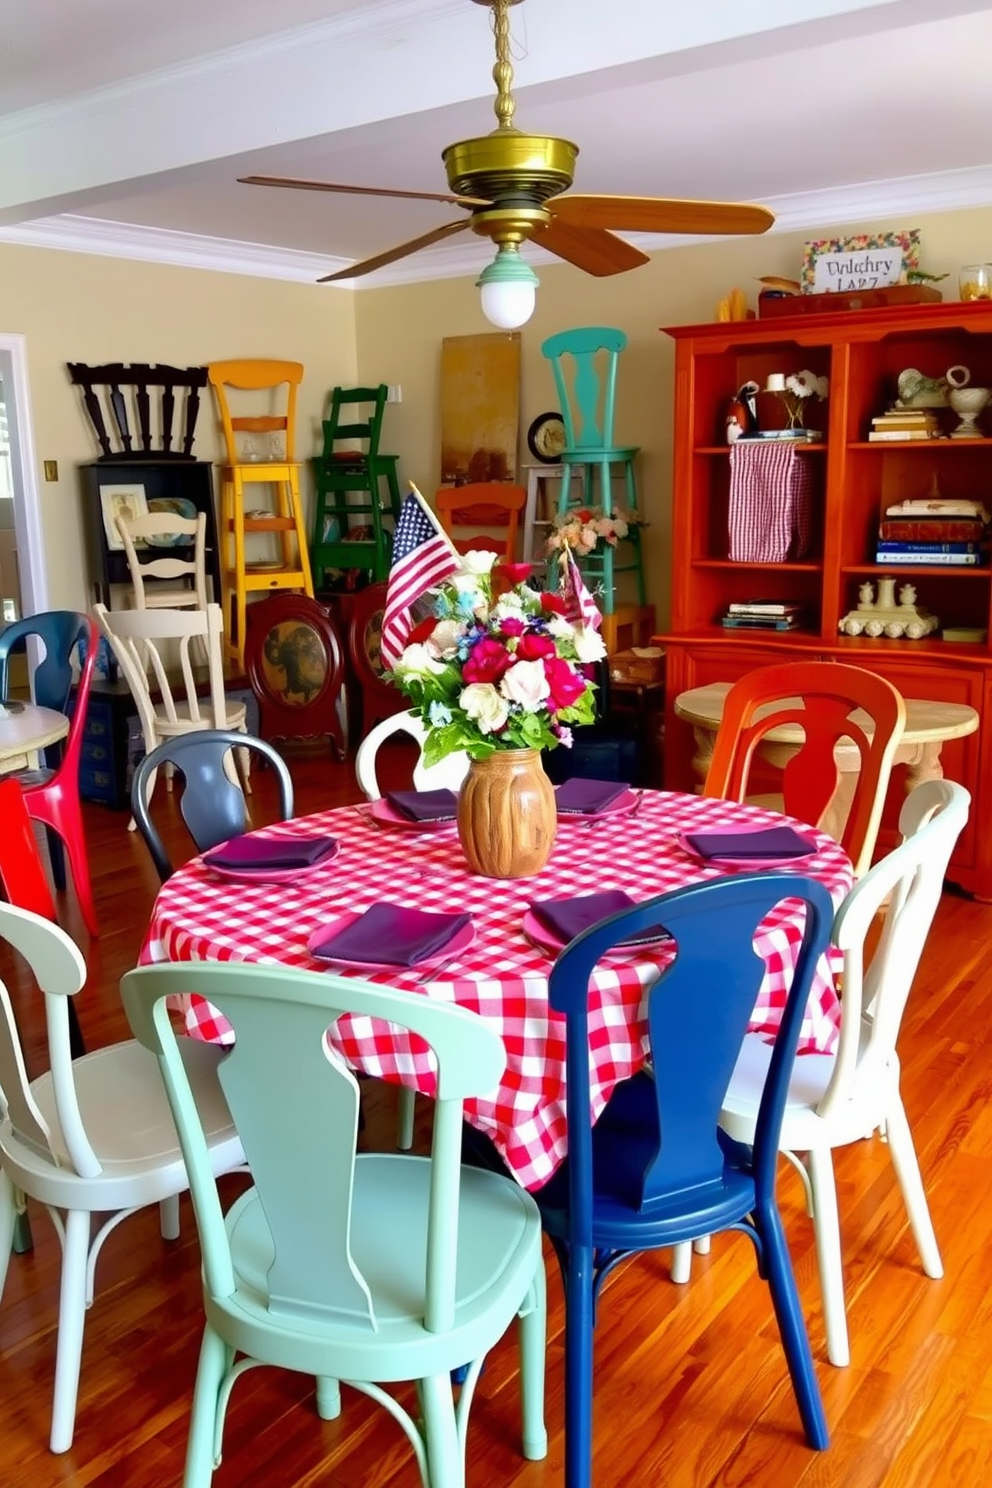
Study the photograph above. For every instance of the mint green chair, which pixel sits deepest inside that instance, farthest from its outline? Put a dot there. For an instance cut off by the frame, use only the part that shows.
(358, 1269)
(584, 364)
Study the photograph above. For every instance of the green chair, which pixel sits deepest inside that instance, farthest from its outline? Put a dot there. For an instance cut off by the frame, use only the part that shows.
(584, 364)
(363, 1269)
(349, 486)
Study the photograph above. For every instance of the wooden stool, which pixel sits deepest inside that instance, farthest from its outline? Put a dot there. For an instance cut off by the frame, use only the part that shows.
(349, 484)
(276, 468)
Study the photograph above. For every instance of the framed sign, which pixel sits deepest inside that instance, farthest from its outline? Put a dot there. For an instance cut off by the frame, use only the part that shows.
(868, 261)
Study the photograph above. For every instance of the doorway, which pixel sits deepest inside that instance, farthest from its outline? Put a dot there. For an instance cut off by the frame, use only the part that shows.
(23, 582)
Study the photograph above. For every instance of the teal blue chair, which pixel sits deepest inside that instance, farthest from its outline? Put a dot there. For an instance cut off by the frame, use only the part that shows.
(656, 1170)
(358, 1269)
(584, 365)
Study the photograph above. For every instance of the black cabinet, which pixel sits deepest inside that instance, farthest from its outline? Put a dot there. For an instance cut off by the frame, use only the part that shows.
(164, 481)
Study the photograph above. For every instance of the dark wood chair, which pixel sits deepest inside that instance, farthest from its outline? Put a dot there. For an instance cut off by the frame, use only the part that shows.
(163, 437)
(378, 698)
(295, 667)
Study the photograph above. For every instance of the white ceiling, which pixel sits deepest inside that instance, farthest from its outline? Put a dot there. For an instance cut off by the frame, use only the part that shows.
(124, 126)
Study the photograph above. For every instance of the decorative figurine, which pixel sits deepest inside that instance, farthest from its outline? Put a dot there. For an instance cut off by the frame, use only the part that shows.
(885, 617)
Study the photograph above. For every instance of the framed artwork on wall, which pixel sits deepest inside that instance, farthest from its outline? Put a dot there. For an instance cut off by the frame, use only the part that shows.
(129, 502)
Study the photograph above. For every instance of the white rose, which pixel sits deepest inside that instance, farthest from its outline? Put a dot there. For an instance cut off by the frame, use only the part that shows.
(509, 607)
(417, 661)
(478, 561)
(560, 628)
(589, 645)
(525, 683)
(481, 701)
(444, 638)
(467, 583)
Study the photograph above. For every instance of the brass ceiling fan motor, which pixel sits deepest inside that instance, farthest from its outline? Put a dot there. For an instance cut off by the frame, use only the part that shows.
(515, 187)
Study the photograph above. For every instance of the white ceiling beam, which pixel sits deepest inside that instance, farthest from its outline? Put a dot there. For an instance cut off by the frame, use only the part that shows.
(384, 61)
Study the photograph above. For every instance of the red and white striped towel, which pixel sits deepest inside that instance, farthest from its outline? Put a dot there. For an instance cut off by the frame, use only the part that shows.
(770, 501)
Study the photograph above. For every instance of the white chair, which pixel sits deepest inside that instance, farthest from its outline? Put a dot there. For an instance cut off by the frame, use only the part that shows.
(93, 1136)
(835, 1099)
(140, 639)
(165, 566)
(447, 773)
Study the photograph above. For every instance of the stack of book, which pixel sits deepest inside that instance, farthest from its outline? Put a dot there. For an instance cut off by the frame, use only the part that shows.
(906, 423)
(763, 614)
(942, 533)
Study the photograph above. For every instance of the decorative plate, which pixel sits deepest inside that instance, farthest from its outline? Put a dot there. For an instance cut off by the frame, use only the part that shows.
(546, 438)
(177, 506)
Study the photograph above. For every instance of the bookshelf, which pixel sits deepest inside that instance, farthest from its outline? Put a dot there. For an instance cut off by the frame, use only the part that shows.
(854, 479)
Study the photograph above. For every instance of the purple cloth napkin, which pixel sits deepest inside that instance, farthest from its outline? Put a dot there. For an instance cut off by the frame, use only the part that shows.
(433, 805)
(251, 851)
(567, 918)
(581, 794)
(763, 842)
(388, 934)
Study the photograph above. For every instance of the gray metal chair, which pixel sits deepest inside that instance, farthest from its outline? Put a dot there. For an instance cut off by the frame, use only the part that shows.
(212, 804)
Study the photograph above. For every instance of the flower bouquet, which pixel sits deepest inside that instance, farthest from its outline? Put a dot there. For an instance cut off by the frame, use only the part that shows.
(490, 672)
(581, 530)
(799, 387)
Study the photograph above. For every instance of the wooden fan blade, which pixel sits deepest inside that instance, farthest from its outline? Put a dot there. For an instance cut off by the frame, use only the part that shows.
(391, 254)
(661, 214)
(293, 184)
(590, 248)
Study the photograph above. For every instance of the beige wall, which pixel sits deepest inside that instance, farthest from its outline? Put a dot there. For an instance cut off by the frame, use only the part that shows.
(80, 308)
(74, 307)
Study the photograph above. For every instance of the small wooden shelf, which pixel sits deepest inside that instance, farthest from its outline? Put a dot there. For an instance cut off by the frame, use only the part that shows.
(799, 444)
(731, 565)
(269, 524)
(932, 446)
(929, 570)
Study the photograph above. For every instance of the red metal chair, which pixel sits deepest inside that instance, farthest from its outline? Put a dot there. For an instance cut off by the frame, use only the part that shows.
(22, 874)
(52, 795)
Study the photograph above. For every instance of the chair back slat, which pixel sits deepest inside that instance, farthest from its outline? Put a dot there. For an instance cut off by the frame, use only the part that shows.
(584, 366)
(136, 638)
(295, 1106)
(821, 697)
(279, 379)
(698, 1013)
(345, 421)
(60, 971)
(905, 888)
(172, 439)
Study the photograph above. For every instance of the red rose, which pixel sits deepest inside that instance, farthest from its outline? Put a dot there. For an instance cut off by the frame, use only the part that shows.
(553, 604)
(511, 626)
(566, 685)
(534, 647)
(487, 661)
(422, 632)
(517, 573)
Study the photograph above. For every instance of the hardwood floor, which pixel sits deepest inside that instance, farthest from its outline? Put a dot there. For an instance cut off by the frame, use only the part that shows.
(691, 1384)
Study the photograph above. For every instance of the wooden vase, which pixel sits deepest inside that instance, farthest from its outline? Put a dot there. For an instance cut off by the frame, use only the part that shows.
(506, 814)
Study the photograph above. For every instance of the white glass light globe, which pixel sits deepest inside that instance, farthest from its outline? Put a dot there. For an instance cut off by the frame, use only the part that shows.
(508, 304)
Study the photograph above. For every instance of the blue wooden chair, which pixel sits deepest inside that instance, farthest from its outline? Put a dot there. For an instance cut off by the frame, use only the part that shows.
(584, 365)
(364, 1269)
(212, 805)
(656, 1171)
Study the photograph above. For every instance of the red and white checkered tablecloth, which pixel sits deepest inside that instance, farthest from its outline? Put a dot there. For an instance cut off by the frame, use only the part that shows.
(502, 976)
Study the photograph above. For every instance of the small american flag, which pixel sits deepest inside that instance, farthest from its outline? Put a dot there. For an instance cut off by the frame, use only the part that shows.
(422, 558)
(582, 609)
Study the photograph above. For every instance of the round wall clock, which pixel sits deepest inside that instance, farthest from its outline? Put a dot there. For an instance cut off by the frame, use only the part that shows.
(546, 438)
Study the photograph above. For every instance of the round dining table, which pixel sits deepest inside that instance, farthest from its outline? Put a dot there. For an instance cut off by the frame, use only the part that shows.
(503, 975)
(25, 729)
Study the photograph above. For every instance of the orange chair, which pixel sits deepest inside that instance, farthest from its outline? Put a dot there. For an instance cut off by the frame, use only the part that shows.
(266, 458)
(825, 699)
(484, 504)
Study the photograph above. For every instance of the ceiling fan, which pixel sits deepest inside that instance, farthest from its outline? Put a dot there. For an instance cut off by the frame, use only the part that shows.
(511, 184)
